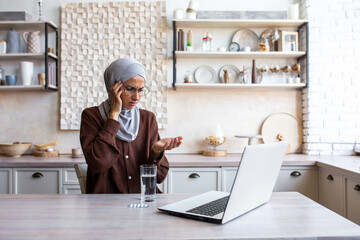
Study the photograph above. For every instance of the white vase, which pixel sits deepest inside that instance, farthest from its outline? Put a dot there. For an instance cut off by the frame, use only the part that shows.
(26, 72)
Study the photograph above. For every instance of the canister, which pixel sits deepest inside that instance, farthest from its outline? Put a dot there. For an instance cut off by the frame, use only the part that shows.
(2, 47)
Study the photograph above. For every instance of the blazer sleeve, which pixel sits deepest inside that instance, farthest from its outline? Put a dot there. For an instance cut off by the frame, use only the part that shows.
(161, 161)
(99, 143)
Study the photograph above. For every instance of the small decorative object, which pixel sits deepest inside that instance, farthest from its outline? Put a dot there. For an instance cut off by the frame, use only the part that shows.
(40, 5)
(41, 78)
(11, 80)
(2, 47)
(254, 78)
(250, 138)
(247, 49)
(234, 47)
(76, 153)
(181, 40)
(293, 11)
(51, 50)
(297, 80)
(192, 9)
(264, 46)
(13, 16)
(45, 146)
(286, 69)
(46, 150)
(244, 75)
(189, 41)
(221, 49)
(215, 140)
(264, 69)
(288, 41)
(13, 42)
(188, 78)
(26, 72)
(2, 76)
(227, 76)
(32, 40)
(296, 68)
(275, 69)
(178, 14)
(207, 42)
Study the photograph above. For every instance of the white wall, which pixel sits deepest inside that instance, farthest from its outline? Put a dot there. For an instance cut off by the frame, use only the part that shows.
(331, 104)
(34, 116)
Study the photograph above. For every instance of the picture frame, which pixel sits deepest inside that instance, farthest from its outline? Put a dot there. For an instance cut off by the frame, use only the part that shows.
(289, 41)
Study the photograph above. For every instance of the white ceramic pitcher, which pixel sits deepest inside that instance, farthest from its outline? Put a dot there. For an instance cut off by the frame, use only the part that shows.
(32, 40)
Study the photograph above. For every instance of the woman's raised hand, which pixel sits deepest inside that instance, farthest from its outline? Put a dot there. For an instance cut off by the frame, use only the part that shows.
(116, 103)
(166, 144)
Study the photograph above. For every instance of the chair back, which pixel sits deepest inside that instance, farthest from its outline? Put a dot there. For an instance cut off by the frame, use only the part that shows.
(81, 172)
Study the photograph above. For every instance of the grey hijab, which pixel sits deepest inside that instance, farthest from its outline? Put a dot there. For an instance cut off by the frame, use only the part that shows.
(122, 70)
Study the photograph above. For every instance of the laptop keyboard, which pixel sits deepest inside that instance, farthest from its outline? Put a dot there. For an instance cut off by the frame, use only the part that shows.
(211, 208)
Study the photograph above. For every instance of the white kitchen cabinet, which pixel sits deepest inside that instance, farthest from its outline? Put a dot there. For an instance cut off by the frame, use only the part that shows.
(193, 180)
(5, 180)
(299, 179)
(353, 200)
(227, 178)
(71, 189)
(331, 191)
(37, 181)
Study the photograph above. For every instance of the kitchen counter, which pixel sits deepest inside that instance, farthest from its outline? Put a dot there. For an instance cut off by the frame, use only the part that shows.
(104, 216)
(349, 164)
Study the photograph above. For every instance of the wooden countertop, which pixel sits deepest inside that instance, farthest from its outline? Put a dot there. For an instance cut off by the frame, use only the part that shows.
(90, 216)
(347, 164)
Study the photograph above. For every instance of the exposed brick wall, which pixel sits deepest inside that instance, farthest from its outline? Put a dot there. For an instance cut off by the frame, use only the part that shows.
(331, 104)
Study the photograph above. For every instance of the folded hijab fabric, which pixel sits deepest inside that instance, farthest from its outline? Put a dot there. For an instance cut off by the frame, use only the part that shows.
(122, 70)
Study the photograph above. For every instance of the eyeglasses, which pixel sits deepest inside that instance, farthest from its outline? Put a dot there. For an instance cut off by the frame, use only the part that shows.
(130, 90)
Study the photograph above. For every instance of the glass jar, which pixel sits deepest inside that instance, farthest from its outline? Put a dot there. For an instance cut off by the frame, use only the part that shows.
(2, 76)
(207, 43)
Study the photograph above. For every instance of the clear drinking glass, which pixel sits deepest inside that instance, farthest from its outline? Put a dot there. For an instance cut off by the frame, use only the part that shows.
(148, 182)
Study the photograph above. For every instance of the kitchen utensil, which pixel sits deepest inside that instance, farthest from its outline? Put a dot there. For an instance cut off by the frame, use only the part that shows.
(246, 37)
(13, 42)
(285, 124)
(205, 74)
(26, 72)
(45, 146)
(235, 73)
(32, 40)
(15, 149)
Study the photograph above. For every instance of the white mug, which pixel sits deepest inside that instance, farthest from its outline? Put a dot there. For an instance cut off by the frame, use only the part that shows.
(26, 72)
(246, 49)
(178, 14)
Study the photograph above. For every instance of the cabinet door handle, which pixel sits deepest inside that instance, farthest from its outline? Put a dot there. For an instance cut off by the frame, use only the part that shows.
(295, 174)
(330, 177)
(357, 187)
(37, 175)
(194, 175)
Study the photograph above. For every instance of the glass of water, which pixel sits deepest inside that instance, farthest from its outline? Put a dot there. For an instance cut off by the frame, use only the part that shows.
(148, 182)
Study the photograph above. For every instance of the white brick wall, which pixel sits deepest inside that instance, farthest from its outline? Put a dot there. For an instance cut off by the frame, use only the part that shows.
(331, 104)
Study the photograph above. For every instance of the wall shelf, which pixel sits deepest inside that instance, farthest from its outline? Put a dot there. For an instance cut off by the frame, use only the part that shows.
(16, 56)
(184, 54)
(238, 23)
(285, 86)
(24, 88)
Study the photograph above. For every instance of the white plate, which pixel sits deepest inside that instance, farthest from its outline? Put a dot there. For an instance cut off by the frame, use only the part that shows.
(246, 38)
(205, 74)
(235, 73)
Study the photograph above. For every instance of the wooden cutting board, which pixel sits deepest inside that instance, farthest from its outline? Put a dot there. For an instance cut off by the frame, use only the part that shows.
(54, 153)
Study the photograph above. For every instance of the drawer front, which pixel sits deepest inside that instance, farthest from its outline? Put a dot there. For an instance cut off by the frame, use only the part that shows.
(302, 180)
(37, 181)
(69, 176)
(228, 175)
(193, 180)
(71, 189)
(5, 180)
(331, 193)
(353, 200)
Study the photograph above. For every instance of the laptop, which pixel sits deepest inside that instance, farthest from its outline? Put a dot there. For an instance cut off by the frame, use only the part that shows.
(253, 185)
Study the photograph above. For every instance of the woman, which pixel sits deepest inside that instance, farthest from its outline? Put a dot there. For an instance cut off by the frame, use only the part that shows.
(117, 137)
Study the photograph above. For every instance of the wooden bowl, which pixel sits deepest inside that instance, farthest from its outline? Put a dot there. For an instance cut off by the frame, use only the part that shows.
(45, 146)
(14, 149)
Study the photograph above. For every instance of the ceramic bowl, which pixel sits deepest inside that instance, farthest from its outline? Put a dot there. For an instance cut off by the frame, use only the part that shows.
(14, 149)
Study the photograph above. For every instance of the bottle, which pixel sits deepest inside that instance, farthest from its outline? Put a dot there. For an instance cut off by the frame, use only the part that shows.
(253, 72)
(189, 41)
(207, 43)
(180, 40)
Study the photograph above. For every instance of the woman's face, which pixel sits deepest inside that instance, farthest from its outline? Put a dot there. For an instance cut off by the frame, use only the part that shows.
(132, 91)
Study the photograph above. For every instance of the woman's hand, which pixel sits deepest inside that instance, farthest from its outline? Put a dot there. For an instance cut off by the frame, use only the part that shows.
(116, 103)
(166, 144)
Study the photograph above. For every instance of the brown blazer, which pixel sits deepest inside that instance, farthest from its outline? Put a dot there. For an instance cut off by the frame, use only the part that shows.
(113, 164)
